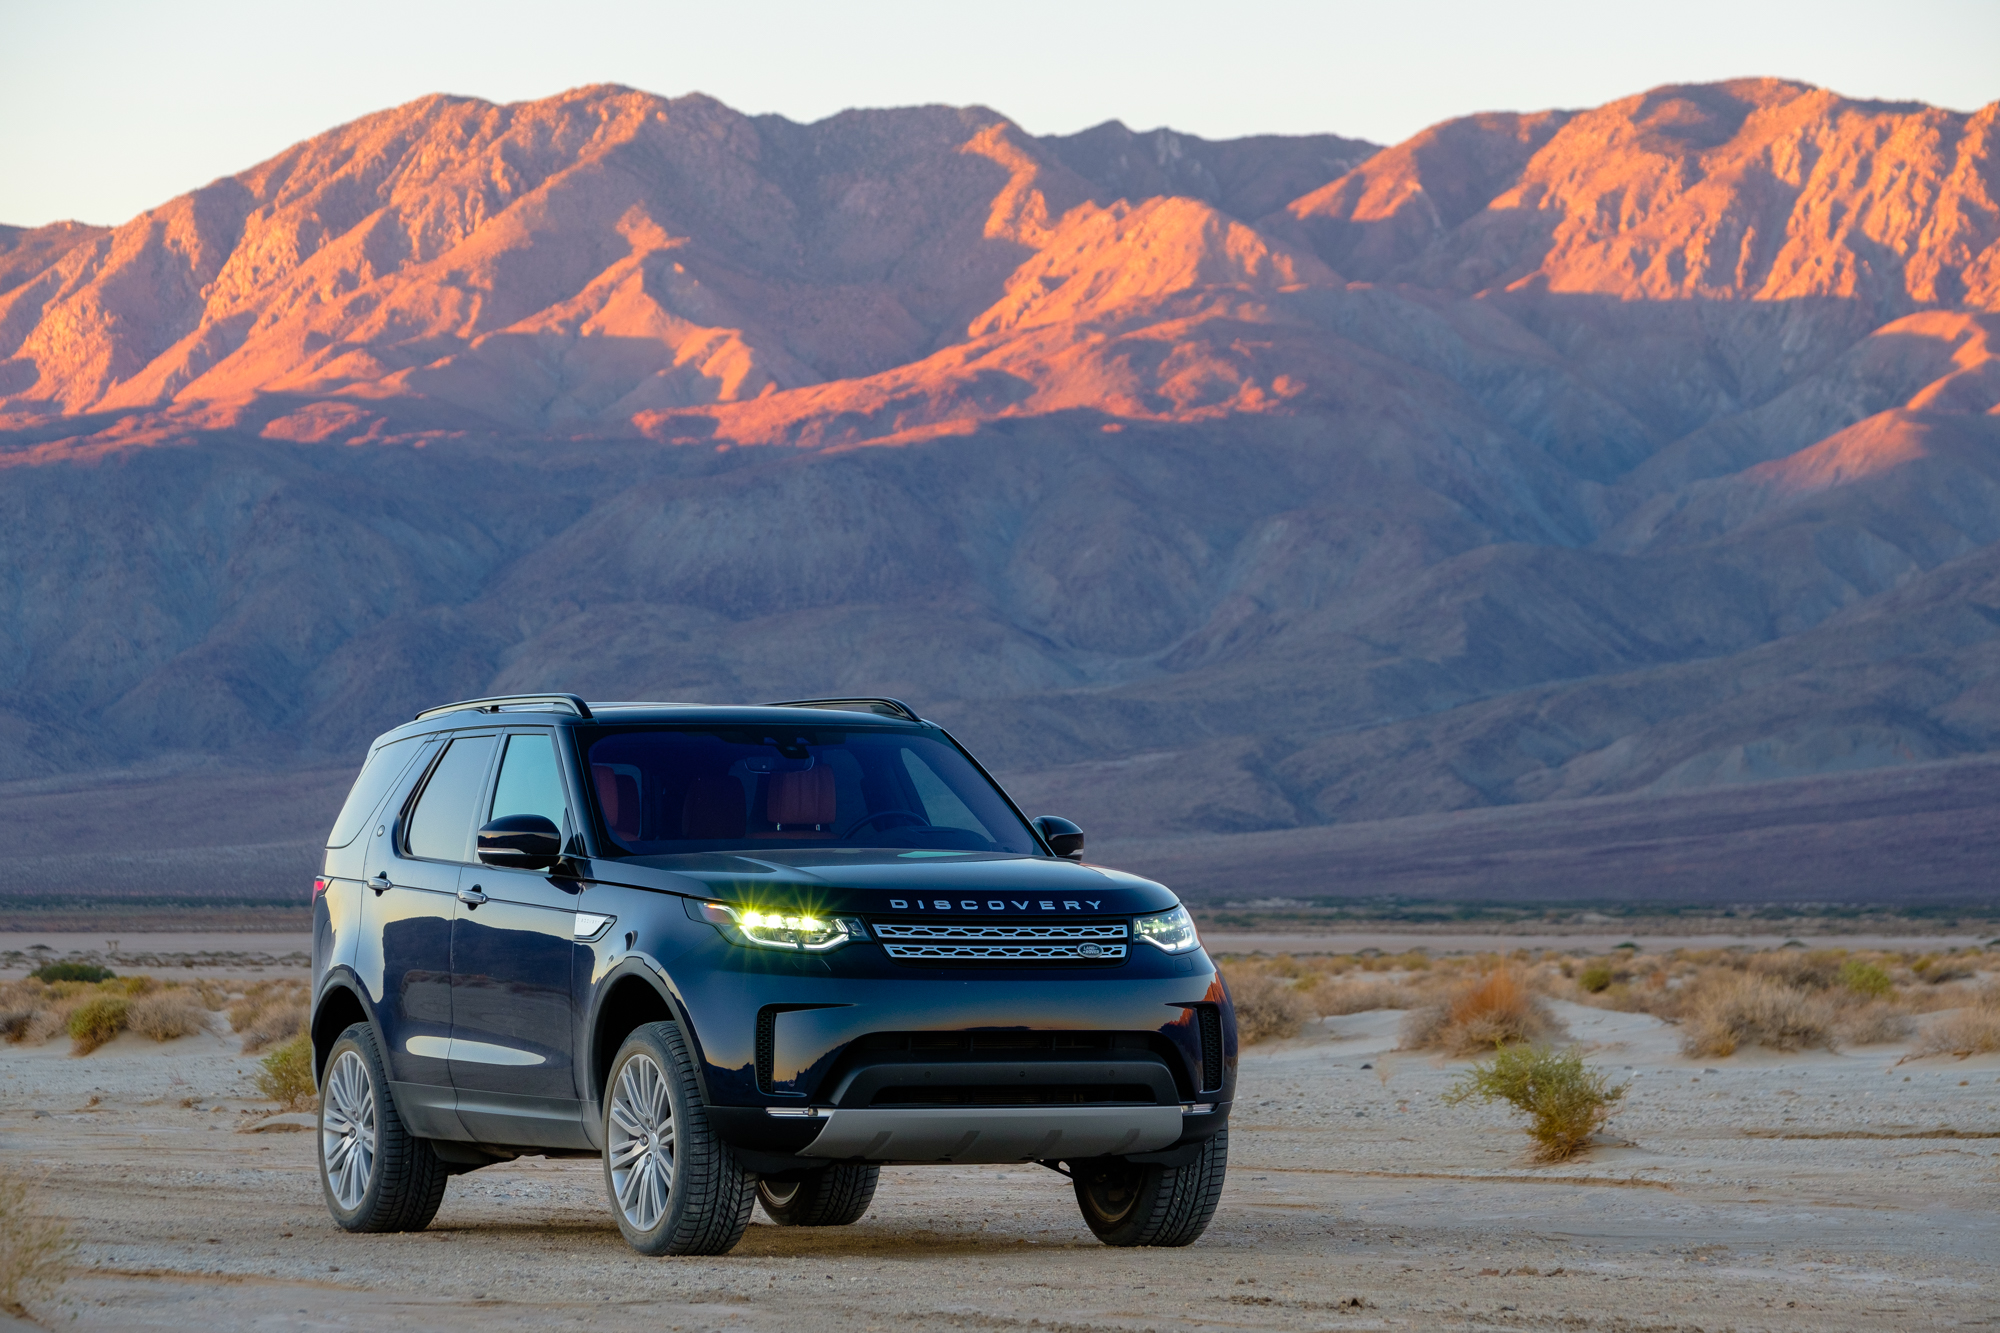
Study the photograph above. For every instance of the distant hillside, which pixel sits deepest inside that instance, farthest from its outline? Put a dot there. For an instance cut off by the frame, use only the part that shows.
(1208, 488)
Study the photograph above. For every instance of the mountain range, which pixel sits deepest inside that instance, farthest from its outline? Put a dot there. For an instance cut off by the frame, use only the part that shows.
(1208, 489)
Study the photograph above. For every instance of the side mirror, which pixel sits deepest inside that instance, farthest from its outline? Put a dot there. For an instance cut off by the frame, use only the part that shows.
(1063, 837)
(520, 842)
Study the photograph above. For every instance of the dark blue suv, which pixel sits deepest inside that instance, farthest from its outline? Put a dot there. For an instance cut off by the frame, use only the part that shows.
(745, 954)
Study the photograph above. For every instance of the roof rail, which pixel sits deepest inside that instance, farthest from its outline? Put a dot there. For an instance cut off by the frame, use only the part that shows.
(881, 707)
(495, 703)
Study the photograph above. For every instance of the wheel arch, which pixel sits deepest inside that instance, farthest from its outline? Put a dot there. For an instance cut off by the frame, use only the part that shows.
(339, 1006)
(633, 994)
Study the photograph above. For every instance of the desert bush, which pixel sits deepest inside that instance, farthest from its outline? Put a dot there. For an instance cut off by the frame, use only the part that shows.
(97, 1021)
(270, 1011)
(1597, 976)
(1818, 969)
(14, 1023)
(1266, 1007)
(1481, 1013)
(1865, 979)
(286, 1075)
(1872, 1024)
(1973, 1030)
(34, 1249)
(1565, 1102)
(71, 972)
(278, 1021)
(164, 1015)
(1359, 996)
(1731, 1012)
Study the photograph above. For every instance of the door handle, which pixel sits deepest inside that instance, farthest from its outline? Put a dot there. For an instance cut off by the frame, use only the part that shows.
(380, 883)
(471, 897)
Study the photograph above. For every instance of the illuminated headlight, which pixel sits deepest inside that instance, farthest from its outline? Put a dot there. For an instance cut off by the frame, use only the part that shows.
(1172, 931)
(781, 930)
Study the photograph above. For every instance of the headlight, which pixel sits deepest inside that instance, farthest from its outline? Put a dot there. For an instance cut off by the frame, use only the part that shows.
(1172, 931)
(781, 930)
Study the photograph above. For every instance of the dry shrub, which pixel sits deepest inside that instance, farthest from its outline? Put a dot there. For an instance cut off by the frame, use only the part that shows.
(1818, 969)
(1731, 1012)
(97, 1021)
(164, 1015)
(1565, 1103)
(1359, 996)
(270, 1011)
(1266, 1007)
(276, 1022)
(34, 1249)
(1973, 1030)
(1873, 1024)
(286, 1074)
(1481, 1013)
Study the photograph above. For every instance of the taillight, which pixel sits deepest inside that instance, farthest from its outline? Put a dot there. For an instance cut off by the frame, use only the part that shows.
(319, 886)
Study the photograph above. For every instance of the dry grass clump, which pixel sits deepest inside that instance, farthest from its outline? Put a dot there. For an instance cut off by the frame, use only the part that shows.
(34, 1249)
(164, 1015)
(1973, 1030)
(286, 1074)
(1267, 1007)
(269, 1012)
(1565, 1103)
(1731, 1012)
(1481, 1013)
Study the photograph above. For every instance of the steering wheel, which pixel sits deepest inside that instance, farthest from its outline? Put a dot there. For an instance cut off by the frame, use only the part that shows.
(914, 820)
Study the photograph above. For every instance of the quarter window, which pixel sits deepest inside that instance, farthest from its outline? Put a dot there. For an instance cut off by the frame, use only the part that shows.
(441, 823)
(529, 782)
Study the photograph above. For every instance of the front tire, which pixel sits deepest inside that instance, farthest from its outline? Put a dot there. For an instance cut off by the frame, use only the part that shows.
(1138, 1203)
(836, 1196)
(375, 1174)
(675, 1187)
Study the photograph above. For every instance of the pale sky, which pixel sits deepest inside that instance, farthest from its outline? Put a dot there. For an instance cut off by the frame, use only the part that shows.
(112, 106)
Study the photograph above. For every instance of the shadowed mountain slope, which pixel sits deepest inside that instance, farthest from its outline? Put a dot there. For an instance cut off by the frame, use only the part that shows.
(1207, 488)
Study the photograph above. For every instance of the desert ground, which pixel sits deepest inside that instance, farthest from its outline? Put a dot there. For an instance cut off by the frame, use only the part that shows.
(1817, 1190)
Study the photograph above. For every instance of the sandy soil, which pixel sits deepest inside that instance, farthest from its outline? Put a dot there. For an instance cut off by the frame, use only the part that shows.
(1826, 1191)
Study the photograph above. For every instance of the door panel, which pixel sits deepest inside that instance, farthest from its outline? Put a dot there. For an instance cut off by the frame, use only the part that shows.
(513, 1021)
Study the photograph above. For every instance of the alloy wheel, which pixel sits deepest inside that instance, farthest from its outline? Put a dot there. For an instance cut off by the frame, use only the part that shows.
(642, 1142)
(347, 1131)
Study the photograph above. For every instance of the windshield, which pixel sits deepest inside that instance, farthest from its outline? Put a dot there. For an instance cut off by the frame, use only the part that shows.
(663, 791)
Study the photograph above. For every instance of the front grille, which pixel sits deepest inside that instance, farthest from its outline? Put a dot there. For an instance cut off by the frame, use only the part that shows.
(1003, 942)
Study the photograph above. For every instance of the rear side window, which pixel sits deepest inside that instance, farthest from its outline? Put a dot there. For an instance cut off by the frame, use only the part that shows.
(377, 776)
(529, 783)
(441, 823)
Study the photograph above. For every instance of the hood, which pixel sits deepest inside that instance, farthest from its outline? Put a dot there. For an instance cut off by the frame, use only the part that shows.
(888, 882)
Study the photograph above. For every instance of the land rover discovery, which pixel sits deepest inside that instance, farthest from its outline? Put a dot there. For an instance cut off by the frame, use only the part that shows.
(745, 956)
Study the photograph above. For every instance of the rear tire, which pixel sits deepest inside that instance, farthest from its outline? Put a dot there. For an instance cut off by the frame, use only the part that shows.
(1137, 1203)
(837, 1196)
(375, 1174)
(675, 1187)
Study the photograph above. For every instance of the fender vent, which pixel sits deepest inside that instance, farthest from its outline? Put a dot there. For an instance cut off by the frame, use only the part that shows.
(767, 1046)
(1210, 1018)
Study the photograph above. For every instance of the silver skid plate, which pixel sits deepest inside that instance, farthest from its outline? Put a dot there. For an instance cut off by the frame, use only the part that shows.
(994, 1133)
